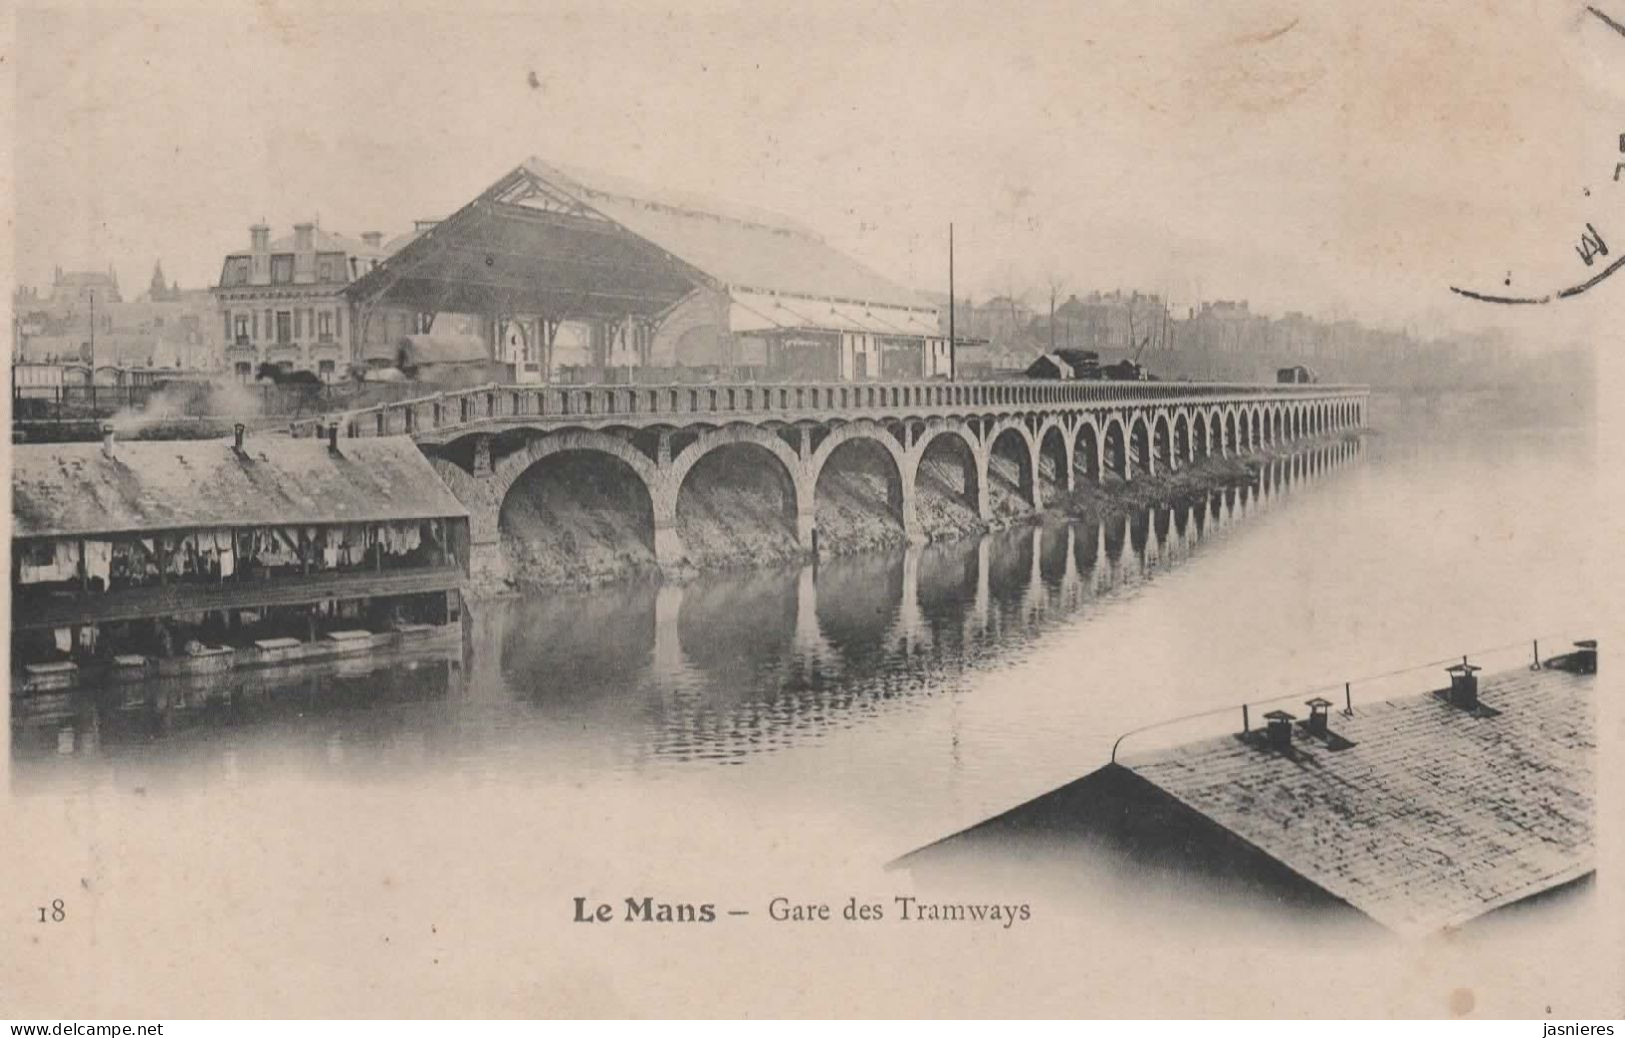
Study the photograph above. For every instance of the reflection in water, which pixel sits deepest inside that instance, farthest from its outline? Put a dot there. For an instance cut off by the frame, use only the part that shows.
(718, 669)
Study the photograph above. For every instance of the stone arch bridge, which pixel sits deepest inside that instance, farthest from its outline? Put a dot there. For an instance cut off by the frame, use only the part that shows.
(483, 440)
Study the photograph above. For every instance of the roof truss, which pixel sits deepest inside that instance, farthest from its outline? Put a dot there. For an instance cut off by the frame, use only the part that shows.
(524, 245)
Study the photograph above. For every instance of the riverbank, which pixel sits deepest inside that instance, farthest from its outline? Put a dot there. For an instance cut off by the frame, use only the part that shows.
(583, 530)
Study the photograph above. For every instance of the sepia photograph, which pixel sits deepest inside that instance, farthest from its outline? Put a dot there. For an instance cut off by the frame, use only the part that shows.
(914, 509)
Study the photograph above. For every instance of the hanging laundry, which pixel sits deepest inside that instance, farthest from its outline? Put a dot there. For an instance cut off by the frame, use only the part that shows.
(37, 562)
(99, 561)
(67, 560)
(64, 639)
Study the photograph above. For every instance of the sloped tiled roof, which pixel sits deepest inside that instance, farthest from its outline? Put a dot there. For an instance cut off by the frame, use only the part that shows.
(1433, 817)
(329, 241)
(75, 488)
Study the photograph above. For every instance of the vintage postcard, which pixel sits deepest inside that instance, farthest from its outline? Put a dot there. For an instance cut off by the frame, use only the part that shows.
(720, 509)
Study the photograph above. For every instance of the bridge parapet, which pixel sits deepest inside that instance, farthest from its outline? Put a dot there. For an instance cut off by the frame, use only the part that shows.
(450, 412)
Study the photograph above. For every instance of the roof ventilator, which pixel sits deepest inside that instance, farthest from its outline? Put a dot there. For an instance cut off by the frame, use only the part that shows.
(1280, 729)
(1463, 691)
(1585, 656)
(1463, 685)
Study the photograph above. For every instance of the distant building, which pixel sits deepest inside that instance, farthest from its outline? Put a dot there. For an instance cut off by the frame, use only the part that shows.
(280, 302)
(1225, 326)
(160, 291)
(168, 327)
(1116, 320)
(73, 289)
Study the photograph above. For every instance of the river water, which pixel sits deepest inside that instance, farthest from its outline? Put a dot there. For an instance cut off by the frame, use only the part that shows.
(795, 729)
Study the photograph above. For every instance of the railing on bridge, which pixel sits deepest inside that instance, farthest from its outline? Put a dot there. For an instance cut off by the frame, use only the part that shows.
(453, 409)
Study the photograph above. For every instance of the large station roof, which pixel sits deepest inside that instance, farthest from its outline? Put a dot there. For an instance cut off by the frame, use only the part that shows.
(79, 489)
(547, 239)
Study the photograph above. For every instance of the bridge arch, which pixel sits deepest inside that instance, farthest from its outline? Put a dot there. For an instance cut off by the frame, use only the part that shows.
(1224, 422)
(1182, 447)
(1010, 438)
(1206, 425)
(737, 434)
(949, 445)
(740, 447)
(1088, 447)
(495, 491)
(1140, 458)
(1162, 443)
(1114, 449)
(1054, 447)
(869, 440)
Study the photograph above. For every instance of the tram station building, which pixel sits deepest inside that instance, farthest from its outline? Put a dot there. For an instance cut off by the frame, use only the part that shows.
(578, 278)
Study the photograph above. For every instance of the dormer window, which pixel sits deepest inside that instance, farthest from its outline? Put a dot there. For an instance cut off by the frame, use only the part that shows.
(282, 268)
(236, 272)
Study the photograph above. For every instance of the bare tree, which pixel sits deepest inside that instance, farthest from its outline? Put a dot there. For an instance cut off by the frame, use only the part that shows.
(1056, 284)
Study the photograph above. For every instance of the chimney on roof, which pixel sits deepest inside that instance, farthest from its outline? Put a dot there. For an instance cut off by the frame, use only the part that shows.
(259, 237)
(304, 237)
(1586, 656)
(333, 437)
(238, 430)
(1280, 730)
(107, 440)
(1317, 715)
(1463, 685)
(375, 239)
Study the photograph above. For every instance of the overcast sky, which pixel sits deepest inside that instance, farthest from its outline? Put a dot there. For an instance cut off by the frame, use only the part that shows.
(1347, 160)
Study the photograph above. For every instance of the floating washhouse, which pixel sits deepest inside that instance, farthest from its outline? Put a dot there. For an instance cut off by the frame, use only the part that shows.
(167, 557)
